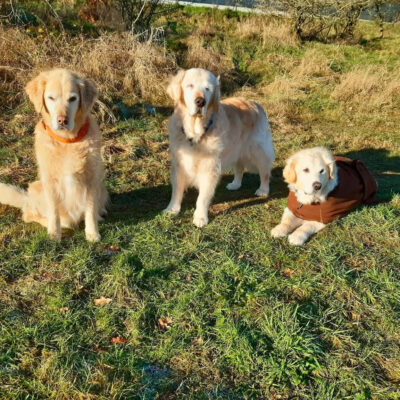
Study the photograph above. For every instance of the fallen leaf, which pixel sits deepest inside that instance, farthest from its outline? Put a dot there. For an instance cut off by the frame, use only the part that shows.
(102, 301)
(99, 349)
(111, 250)
(288, 273)
(189, 278)
(118, 340)
(63, 310)
(165, 323)
(198, 341)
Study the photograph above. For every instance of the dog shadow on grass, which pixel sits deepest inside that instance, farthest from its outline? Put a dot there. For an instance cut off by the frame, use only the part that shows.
(146, 203)
(385, 169)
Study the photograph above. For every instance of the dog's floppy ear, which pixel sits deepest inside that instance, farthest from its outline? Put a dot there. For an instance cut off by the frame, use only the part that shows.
(88, 93)
(174, 89)
(216, 96)
(330, 163)
(332, 170)
(289, 172)
(35, 91)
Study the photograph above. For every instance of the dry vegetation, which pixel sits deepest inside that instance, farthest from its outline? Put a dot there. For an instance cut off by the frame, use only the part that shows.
(208, 58)
(371, 88)
(271, 32)
(259, 57)
(328, 19)
(121, 66)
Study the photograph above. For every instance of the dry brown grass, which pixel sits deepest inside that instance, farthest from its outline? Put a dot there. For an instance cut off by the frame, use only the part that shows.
(120, 65)
(207, 28)
(368, 87)
(313, 64)
(198, 56)
(280, 99)
(271, 32)
(390, 367)
(298, 76)
(286, 91)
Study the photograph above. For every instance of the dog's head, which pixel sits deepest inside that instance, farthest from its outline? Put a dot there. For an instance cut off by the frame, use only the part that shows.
(310, 171)
(61, 97)
(196, 89)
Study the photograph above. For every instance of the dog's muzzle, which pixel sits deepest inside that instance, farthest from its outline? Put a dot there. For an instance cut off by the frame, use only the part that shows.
(200, 102)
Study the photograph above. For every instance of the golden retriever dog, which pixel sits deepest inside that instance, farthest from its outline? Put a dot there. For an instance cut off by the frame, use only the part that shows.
(322, 188)
(68, 153)
(208, 136)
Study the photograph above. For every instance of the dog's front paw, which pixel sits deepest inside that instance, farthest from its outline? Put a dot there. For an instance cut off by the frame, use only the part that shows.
(297, 239)
(200, 221)
(172, 210)
(278, 232)
(233, 186)
(54, 233)
(93, 237)
(56, 236)
(262, 192)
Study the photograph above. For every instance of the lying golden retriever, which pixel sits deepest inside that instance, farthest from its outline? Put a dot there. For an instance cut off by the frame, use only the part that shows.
(322, 188)
(208, 135)
(68, 152)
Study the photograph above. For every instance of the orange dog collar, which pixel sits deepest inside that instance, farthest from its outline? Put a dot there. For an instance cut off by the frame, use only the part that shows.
(82, 132)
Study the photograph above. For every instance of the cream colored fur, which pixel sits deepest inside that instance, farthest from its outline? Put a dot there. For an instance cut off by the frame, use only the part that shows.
(238, 137)
(302, 170)
(70, 186)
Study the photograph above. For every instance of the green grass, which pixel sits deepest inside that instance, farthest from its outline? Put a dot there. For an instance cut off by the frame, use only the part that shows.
(248, 317)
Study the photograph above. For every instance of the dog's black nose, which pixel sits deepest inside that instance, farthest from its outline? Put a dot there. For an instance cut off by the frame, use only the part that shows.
(62, 120)
(316, 185)
(200, 102)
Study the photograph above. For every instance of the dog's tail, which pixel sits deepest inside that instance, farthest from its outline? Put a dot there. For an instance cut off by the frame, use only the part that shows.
(12, 195)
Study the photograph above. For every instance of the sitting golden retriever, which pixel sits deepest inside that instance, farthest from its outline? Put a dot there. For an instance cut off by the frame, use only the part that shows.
(322, 188)
(68, 152)
(208, 135)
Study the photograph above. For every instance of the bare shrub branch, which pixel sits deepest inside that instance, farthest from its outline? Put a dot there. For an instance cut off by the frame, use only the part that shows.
(326, 19)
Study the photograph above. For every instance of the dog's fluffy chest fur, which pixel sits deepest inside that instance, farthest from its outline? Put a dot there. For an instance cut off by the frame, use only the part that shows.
(60, 160)
(194, 157)
(203, 156)
(71, 168)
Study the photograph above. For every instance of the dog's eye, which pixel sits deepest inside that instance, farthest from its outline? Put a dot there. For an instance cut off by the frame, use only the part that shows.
(51, 98)
(207, 89)
(190, 86)
(322, 171)
(72, 98)
(306, 170)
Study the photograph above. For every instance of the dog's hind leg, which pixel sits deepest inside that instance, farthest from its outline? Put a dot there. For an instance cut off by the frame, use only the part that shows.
(264, 166)
(52, 212)
(33, 210)
(238, 176)
(32, 215)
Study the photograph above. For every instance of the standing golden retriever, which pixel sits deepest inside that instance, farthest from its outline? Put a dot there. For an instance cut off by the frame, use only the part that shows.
(68, 152)
(322, 189)
(208, 136)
